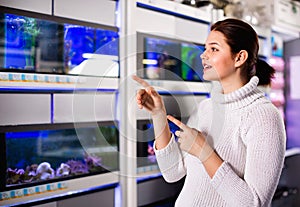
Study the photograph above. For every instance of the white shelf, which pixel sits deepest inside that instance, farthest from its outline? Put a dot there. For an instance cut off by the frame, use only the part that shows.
(27, 81)
(202, 14)
(180, 86)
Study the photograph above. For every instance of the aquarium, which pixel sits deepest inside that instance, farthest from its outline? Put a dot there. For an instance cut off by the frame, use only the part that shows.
(164, 58)
(145, 141)
(161, 59)
(37, 45)
(46, 153)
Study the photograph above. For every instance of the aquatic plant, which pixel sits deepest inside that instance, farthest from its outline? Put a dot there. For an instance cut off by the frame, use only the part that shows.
(31, 31)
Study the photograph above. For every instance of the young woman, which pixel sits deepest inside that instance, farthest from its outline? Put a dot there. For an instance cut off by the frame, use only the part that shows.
(232, 148)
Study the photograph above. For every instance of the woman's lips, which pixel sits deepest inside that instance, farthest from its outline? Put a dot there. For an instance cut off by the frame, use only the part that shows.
(206, 67)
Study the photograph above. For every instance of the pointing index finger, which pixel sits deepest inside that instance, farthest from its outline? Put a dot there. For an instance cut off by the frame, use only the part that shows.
(140, 81)
(177, 122)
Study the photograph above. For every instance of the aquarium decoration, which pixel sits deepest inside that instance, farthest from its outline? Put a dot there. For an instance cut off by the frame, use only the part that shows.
(44, 171)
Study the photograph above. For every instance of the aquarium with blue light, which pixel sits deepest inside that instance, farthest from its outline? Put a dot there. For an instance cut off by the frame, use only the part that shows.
(162, 58)
(37, 45)
(37, 154)
(145, 140)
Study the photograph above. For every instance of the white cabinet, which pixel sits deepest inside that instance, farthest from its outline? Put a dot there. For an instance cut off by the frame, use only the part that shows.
(40, 6)
(25, 109)
(154, 22)
(89, 107)
(95, 11)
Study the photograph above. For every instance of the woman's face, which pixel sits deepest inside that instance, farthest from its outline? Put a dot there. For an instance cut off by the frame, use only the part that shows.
(218, 61)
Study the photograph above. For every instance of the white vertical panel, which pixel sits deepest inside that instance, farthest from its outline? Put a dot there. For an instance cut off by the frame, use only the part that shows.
(128, 149)
(96, 11)
(294, 63)
(40, 6)
(16, 109)
(92, 107)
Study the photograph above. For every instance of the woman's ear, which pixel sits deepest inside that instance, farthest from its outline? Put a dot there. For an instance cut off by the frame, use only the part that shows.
(241, 58)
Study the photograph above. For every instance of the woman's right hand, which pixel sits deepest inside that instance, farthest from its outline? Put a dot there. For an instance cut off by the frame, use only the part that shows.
(148, 98)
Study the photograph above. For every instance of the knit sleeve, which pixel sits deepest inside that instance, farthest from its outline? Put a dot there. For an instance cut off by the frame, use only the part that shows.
(264, 138)
(170, 161)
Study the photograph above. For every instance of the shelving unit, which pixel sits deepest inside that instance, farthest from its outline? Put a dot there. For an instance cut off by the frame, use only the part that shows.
(35, 98)
(49, 100)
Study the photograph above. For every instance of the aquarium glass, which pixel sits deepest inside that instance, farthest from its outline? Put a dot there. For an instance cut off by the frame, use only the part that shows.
(45, 155)
(164, 58)
(191, 63)
(145, 137)
(30, 44)
(161, 58)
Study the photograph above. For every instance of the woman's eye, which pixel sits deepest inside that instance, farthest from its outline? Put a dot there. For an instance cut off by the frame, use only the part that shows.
(214, 49)
(211, 49)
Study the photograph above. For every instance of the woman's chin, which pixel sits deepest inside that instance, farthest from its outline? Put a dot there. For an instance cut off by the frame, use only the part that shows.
(208, 77)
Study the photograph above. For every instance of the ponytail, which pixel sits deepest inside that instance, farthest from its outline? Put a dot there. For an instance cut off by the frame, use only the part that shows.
(264, 72)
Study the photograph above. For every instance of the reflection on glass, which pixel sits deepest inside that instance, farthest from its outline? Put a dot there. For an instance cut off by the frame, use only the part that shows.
(37, 45)
(145, 137)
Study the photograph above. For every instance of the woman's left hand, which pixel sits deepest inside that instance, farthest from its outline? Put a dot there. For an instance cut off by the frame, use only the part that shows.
(192, 140)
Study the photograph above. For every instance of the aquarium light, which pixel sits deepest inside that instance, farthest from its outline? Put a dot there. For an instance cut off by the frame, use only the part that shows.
(149, 62)
(99, 56)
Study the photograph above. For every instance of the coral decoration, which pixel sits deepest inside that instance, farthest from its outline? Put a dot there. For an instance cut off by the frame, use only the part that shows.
(63, 170)
(77, 167)
(14, 176)
(44, 171)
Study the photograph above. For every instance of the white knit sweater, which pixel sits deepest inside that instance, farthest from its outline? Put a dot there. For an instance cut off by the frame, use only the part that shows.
(248, 133)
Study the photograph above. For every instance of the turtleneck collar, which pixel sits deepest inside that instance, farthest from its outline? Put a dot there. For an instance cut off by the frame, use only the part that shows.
(238, 98)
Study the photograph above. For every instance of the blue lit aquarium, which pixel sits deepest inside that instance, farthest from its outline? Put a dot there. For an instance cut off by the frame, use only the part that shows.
(45, 153)
(145, 140)
(161, 55)
(165, 58)
(44, 46)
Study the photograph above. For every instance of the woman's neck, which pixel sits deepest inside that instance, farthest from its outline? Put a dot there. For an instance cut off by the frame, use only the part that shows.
(232, 84)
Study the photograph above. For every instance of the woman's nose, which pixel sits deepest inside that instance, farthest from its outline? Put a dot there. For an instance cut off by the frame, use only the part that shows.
(203, 55)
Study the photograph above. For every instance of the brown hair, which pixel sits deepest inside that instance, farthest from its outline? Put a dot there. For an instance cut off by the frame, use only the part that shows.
(241, 36)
